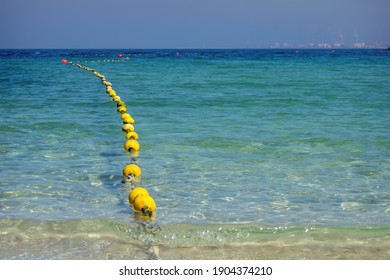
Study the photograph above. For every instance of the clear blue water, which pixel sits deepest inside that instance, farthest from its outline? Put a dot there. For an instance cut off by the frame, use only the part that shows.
(274, 138)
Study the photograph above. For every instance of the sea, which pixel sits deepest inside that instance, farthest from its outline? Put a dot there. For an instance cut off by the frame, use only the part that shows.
(248, 153)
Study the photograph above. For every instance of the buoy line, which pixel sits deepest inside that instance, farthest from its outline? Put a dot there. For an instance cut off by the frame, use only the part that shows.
(141, 201)
(121, 58)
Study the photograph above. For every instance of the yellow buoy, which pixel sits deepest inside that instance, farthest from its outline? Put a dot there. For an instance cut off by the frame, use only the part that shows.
(129, 120)
(136, 192)
(145, 204)
(112, 93)
(98, 75)
(120, 103)
(116, 98)
(125, 115)
(121, 109)
(132, 135)
(132, 145)
(127, 127)
(132, 170)
(108, 89)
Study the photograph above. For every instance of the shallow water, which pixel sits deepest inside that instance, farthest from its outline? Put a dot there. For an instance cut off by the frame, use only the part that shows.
(104, 239)
(272, 138)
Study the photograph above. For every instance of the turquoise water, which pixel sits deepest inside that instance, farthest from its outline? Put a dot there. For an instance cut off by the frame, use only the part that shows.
(229, 138)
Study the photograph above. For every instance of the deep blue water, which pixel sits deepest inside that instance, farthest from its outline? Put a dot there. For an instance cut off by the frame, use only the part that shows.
(266, 137)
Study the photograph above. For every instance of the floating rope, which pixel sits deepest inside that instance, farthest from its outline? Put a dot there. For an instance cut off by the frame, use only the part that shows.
(143, 204)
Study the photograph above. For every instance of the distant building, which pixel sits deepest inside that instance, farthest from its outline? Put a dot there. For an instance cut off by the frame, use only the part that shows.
(359, 45)
(324, 45)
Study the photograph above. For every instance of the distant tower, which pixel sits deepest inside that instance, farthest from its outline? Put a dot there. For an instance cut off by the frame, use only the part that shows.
(356, 36)
(340, 41)
(358, 44)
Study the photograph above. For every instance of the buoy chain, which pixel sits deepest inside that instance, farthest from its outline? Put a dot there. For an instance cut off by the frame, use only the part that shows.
(121, 59)
(139, 198)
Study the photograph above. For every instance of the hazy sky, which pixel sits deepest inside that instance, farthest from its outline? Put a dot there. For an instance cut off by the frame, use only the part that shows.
(190, 23)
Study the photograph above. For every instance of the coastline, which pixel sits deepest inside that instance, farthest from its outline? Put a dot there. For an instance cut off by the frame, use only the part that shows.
(107, 239)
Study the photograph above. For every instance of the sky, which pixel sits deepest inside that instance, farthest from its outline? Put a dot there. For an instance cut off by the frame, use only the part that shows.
(191, 23)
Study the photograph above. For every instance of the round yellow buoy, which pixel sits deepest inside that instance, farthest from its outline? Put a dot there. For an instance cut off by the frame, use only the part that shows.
(112, 93)
(108, 89)
(125, 115)
(116, 98)
(132, 170)
(120, 103)
(136, 192)
(132, 135)
(129, 120)
(127, 127)
(132, 145)
(121, 109)
(145, 204)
